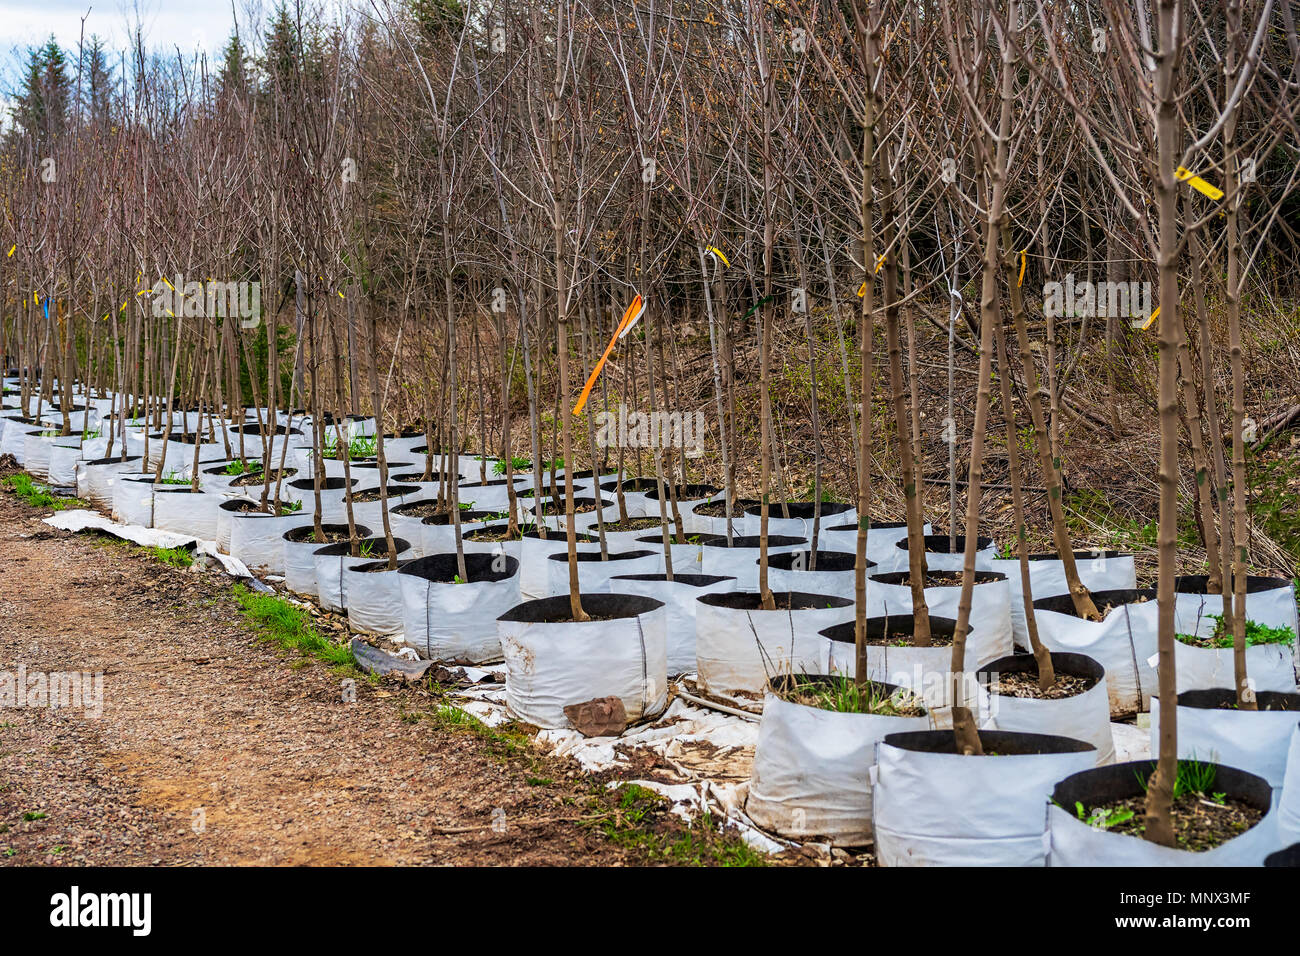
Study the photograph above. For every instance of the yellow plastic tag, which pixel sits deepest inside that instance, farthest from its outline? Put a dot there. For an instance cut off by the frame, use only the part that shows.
(1155, 314)
(718, 252)
(1200, 185)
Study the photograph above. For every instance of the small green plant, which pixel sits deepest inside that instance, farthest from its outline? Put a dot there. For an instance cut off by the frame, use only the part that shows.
(1256, 634)
(291, 507)
(31, 816)
(241, 467)
(176, 557)
(516, 464)
(91, 433)
(173, 478)
(363, 446)
(1102, 817)
(367, 549)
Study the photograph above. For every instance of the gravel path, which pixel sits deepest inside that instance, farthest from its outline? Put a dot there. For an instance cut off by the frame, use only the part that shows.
(216, 748)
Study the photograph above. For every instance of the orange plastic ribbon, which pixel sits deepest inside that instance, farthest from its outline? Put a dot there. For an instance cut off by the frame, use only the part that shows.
(629, 318)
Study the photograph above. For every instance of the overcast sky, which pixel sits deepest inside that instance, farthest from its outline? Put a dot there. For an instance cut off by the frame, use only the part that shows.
(189, 24)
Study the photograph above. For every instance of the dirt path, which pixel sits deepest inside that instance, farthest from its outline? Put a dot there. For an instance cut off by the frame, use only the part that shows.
(216, 748)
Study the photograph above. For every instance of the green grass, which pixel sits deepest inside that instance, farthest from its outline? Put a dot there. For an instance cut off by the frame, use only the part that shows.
(39, 496)
(176, 557)
(174, 478)
(241, 467)
(630, 824)
(278, 621)
(517, 464)
(843, 695)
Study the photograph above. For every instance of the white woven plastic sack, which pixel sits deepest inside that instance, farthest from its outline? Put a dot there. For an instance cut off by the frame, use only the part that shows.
(947, 809)
(550, 665)
(811, 772)
(738, 647)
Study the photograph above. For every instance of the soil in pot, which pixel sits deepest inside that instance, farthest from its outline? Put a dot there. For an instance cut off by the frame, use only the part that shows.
(552, 508)
(718, 509)
(942, 544)
(1017, 676)
(748, 541)
(333, 483)
(893, 630)
(1105, 601)
(371, 548)
(372, 494)
(479, 567)
(494, 533)
(1223, 698)
(466, 515)
(1210, 807)
(938, 579)
(599, 607)
(843, 695)
(375, 464)
(783, 600)
(797, 509)
(258, 477)
(692, 492)
(639, 524)
(421, 509)
(250, 507)
(826, 561)
(333, 533)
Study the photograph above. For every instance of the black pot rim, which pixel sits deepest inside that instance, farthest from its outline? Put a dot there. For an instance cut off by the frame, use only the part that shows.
(806, 601)
(557, 610)
(442, 567)
(943, 742)
(1118, 781)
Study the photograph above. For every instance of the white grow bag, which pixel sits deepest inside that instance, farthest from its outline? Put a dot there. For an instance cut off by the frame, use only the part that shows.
(1255, 741)
(180, 510)
(332, 562)
(934, 807)
(1106, 571)
(552, 663)
(36, 453)
(1288, 804)
(1075, 843)
(64, 455)
(1268, 666)
(1270, 601)
(800, 522)
(96, 480)
(939, 558)
(593, 573)
(679, 597)
(740, 560)
(257, 539)
(457, 623)
(1084, 716)
(374, 598)
(882, 542)
(133, 500)
(534, 568)
(835, 574)
(695, 523)
(739, 646)
(299, 557)
(1123, 642)
(811, 772)
(990, 612)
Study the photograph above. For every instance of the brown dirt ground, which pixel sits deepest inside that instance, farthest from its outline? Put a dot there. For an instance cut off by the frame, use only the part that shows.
(201, 715)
